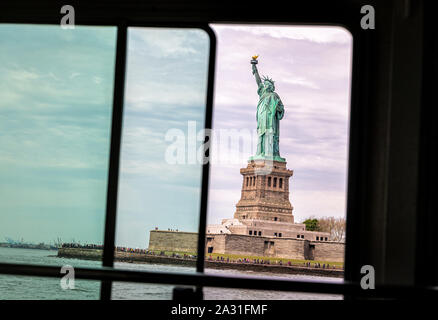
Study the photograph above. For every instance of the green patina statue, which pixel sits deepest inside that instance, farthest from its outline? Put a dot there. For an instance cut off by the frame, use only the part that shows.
(270, 111)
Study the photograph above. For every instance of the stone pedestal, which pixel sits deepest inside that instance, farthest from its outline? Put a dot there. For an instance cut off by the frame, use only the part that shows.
(265, 192)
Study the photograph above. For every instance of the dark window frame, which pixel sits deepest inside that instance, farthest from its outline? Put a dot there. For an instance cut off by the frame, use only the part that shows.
(364, 73)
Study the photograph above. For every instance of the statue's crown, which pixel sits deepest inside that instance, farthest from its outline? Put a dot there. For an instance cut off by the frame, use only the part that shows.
(268, 79)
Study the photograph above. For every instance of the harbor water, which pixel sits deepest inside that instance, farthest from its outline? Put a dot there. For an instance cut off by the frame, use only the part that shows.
(42, 288)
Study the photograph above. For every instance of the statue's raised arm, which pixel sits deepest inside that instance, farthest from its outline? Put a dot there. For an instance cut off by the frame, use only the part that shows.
(255, 72)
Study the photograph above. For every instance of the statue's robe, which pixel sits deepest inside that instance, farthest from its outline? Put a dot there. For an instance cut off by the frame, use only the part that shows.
(270, 111)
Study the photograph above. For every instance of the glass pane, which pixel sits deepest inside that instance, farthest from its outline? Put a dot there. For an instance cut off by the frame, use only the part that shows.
(275, 194)
(42, 288)
(55, 116)
(160, 175)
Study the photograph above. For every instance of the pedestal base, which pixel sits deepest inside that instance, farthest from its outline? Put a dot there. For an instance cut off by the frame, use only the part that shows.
(265, 191)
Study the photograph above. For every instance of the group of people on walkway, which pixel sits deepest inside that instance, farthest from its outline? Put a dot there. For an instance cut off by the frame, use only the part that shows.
(131, 250)
(271, 262)
(318, 265)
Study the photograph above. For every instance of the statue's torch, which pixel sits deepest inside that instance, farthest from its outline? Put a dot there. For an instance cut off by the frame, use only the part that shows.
(254, 59)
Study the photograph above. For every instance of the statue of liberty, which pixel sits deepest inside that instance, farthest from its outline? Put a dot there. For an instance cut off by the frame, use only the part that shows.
(270, 111)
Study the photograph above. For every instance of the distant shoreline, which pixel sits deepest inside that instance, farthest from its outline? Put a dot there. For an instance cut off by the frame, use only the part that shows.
(96, 254)
(28, 246)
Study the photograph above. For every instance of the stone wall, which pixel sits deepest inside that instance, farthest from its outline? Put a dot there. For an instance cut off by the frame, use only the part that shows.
(288, 248)
(244, 245)
(217, 242)
(256, 246)
(328, 251)
(173, 241)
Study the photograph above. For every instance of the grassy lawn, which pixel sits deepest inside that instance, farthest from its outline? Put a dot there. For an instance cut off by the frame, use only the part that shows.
(272, 260)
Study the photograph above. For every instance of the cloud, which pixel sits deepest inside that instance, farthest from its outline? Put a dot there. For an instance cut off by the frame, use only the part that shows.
(167, 68)
(166, 42)
(23, 75)
(329, 35)
(302, 82)
(74, 75)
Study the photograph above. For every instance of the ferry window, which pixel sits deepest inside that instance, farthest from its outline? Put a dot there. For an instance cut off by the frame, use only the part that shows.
(309, 70)
(160, 164)
(55, 119)
(309, 67)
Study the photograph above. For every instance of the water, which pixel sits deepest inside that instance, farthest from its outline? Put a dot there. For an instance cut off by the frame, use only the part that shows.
(41, 288)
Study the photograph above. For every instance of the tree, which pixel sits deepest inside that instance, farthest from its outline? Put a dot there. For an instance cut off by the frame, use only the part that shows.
(312, 224)
(335, 226)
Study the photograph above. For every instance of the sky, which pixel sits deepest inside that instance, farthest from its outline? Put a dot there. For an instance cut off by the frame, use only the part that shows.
(311, 67)
(166, 85)
(55, 115)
